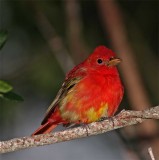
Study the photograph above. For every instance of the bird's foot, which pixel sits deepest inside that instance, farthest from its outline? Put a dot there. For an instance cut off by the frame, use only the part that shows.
(102, 119)
(86, 127)
(106, 118)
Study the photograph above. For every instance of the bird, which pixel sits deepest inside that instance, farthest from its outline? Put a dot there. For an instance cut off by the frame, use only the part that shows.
(92, 90)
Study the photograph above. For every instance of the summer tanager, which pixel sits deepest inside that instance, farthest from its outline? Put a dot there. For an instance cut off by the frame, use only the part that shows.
(91, 90)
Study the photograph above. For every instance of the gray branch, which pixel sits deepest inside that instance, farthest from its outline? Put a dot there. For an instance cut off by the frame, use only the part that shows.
(124, 118)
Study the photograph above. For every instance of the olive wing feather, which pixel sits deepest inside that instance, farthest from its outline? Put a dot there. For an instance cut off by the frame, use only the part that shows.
(66, 87)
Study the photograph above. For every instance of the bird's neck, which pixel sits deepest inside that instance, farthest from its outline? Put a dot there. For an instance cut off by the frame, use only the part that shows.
(105, 72)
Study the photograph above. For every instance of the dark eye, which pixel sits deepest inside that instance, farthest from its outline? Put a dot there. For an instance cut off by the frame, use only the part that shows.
(99, 61)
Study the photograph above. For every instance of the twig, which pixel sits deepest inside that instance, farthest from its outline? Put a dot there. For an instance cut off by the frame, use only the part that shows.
(124, 118)
(151, 153)
(113, 21)
(53, 39)
(74, 27)
(114, 25)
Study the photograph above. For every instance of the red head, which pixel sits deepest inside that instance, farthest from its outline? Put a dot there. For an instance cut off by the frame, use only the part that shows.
(103, 60)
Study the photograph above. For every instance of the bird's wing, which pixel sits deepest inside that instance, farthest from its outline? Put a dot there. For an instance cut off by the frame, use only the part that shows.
(66, 87)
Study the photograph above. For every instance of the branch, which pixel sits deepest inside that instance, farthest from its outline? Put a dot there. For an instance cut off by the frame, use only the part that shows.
(113, 21)
(151, 153)
(54, 41)
(124, 118)
(74, 28)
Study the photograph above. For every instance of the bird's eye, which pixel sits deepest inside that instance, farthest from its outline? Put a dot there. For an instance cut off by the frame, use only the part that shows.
(99, 61)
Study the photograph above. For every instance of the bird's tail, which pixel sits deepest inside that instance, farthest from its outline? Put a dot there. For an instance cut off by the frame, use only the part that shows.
(45, 128)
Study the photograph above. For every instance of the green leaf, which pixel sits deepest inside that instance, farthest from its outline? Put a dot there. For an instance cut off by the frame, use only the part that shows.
(11, 96)
(5, 87)
(1, 95)
(3, 38)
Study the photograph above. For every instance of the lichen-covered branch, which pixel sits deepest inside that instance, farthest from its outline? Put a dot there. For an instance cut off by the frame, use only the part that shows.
(124, 118)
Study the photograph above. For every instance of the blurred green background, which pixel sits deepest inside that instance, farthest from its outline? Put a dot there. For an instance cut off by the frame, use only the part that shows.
(45, 40)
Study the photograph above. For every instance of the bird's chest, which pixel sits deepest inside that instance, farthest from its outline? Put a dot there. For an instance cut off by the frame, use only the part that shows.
(98, 89)
(92, 98)
(98, 96)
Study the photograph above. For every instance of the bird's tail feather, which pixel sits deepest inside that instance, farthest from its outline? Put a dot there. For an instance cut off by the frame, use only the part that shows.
(45, 128)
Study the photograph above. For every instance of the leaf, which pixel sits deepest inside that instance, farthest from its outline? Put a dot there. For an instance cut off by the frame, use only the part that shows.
(5, 87)
(11, 96)
(1, 95)
(3, 38)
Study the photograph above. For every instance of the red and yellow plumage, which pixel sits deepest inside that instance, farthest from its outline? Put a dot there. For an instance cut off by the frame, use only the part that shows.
(91, 90)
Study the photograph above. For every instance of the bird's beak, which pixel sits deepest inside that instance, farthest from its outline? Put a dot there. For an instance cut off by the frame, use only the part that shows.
(113, 62)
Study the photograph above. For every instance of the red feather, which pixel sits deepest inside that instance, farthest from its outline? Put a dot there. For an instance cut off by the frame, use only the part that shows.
(91, 90)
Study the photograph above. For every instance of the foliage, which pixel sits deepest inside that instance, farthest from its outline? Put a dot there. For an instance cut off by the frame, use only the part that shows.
(5, 88)
(3, 38)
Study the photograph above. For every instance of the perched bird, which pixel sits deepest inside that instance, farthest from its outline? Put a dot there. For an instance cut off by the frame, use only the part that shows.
(91, 90)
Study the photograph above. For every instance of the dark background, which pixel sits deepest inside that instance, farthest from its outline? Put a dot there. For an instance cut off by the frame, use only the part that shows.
(46, 39)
